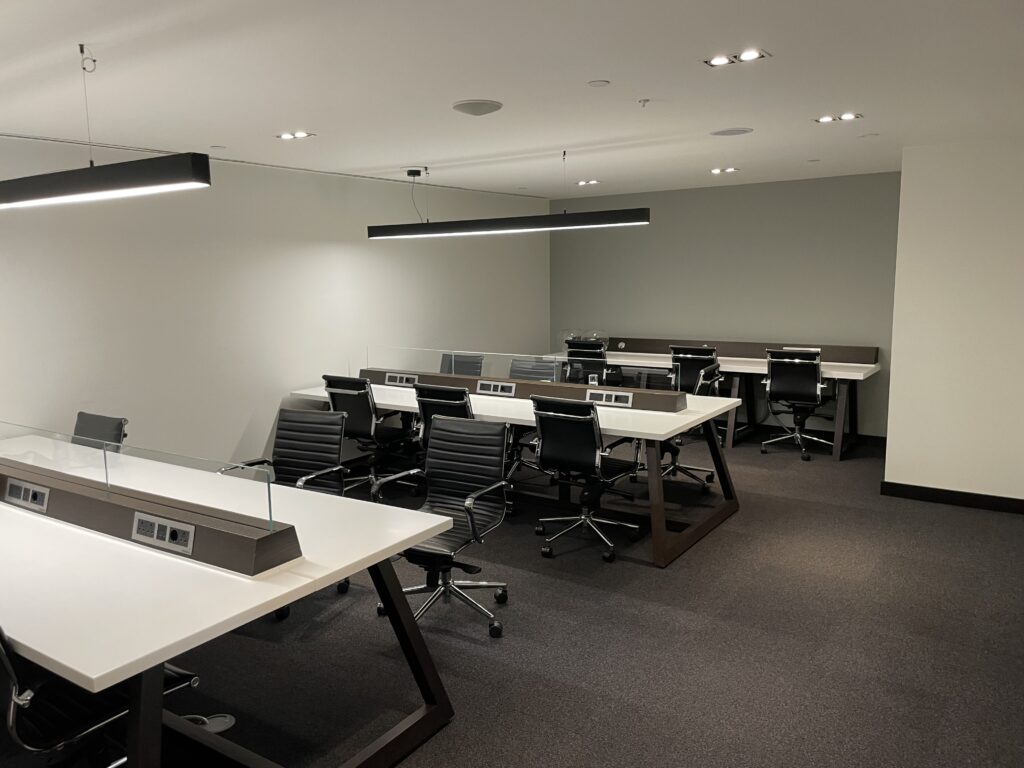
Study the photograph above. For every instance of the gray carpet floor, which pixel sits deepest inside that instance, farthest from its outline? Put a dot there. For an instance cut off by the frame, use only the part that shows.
(821, 625)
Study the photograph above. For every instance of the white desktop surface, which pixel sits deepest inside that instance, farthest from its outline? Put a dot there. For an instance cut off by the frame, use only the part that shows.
(615, 421)
(97, 610)
(846, 371)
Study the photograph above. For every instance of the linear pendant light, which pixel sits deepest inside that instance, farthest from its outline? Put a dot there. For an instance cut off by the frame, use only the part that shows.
(151, 176)
(628, 217)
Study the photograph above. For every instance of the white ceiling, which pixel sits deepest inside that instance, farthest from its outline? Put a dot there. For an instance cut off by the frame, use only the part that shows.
(376, 80)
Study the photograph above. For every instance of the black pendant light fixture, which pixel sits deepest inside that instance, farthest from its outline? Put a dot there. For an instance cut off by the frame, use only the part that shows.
(626, 217)
(629, 217)
(165, 173)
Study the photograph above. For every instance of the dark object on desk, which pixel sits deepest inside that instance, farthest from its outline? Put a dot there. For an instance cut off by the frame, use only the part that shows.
(434, 401)
(835, 353)
(354, 397)
(465, 473)
(570, 449)
(794, 380)
(307, 454)
(46, 713)
(462, 365)
(100, 431)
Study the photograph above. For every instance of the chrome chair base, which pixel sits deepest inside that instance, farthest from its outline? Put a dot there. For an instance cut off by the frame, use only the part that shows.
(447, 588)
(586, 518)
(798, 436)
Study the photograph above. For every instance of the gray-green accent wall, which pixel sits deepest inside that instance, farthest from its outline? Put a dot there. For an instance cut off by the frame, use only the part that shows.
(801, 261)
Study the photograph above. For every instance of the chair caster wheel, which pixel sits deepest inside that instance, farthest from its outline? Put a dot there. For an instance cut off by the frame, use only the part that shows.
(547, 552)
(608, 555)
(763, 449)
(539, 530)
(494, 629)
(283, 613)
(805, 457)
(501, 595)
(709, 477)
(381, 610)
(343, 586)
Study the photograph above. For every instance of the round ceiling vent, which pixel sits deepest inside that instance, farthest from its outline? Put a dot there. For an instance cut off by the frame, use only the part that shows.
(477, 107)
(732, 131)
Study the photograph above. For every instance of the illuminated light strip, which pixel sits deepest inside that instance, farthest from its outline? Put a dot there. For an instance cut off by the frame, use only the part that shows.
(630, 217)
(152, 176)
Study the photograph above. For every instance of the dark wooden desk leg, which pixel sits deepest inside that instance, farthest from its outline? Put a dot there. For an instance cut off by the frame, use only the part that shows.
(750, 400)
(721, 468)
(842, 406)
(437, 711)
(145, 718)
(730, 424)
(660, 535)
(854, 413)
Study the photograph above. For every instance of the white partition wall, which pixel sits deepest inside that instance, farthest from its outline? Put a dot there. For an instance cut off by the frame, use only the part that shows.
(193, 313)
(955, 415)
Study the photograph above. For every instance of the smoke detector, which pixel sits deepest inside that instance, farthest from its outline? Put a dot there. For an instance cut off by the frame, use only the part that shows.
(477, 107)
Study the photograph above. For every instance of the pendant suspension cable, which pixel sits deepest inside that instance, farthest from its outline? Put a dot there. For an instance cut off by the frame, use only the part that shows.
(565, 186)
(88, 65)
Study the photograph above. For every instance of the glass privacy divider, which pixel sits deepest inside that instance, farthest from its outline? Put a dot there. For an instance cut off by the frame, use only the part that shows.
(214, 512)
(395, 361)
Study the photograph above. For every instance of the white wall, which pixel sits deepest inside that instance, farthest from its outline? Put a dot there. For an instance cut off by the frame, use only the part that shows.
(955, 415)
(193, 313)
(795, 261)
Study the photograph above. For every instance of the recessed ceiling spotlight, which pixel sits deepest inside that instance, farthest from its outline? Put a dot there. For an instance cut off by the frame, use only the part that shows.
(477, 107)
(286, 136)
(295, 135)
(748, 54)
(814, 160)
(868, 135)
(732, 131)
(584, 182)
(843, 117)
(716, 171)
(218, 146)
(731, 170)
(599, 83)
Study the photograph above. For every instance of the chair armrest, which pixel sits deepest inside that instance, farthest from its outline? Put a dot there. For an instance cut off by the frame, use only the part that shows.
(617, 443)
(303, 480)
(471, 500)
(388, 415)
(375, 488)
(243, 464)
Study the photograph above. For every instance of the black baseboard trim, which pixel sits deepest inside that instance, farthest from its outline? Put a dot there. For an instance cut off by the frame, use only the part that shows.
(959, 498)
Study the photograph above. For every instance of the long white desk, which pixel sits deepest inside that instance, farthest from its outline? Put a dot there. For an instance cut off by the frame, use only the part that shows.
(652, 427)
(745, 371)
(97, 610)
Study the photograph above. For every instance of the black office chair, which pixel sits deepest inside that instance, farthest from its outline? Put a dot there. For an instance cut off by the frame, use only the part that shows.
(462, 365)
(586, 361)
(376, 440)
(569, 449)
(99, 431)
(695, 371)
(307, 453)
(465, 473)
(440, 401)
(47, 715)
(794, 380)
(533, 369)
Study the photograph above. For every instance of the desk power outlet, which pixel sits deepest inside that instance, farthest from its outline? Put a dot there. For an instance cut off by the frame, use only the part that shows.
(161, 532)
(27, 496)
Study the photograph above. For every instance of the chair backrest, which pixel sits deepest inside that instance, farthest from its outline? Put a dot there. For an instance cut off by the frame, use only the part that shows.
(98, 431)
(354, 397)
(306, 442)
(462, 365)
(691, 365)
(534, 369)
(794, 376)
(589, 349)
(441, 401)
(9, 676)
(569, 435)
(466, 456)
